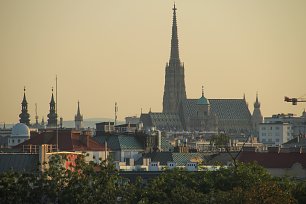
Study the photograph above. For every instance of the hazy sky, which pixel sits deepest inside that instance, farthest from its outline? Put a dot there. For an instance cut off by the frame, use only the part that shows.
(115, 51)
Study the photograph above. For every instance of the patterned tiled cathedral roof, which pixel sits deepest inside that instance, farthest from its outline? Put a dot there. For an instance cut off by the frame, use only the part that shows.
(224, 109)
(163, 121)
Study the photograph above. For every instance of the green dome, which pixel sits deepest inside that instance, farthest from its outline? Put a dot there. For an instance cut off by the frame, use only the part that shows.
(203, 101)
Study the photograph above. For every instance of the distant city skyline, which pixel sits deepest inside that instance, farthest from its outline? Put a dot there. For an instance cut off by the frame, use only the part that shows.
(109, 51)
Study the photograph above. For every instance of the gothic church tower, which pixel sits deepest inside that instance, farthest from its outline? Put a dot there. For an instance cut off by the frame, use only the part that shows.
(24, 115)
(52, 116)
(78, 119)
(256, 117)
(174, 89)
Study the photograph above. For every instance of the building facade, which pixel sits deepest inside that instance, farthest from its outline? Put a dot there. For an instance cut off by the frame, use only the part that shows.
(275, 134)
(298, 122)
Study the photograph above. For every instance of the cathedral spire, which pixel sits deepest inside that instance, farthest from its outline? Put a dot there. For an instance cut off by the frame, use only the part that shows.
(174, 55)
(24, 115)
(174, 89)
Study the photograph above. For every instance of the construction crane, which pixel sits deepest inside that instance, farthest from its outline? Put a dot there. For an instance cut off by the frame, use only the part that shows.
(294, 101)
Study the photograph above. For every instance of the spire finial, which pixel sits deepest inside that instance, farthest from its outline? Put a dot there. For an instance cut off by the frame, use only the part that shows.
(52, 89)
(202, 90)
(24, 89)
(243, 96)
(174, 54)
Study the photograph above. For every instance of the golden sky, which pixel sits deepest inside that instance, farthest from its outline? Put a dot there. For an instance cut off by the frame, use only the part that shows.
(115, 51)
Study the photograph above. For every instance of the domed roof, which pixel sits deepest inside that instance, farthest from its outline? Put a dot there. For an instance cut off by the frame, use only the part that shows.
(203, 101)
(20, 130)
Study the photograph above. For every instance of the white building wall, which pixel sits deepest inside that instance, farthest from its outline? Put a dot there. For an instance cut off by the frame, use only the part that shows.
(275, 134)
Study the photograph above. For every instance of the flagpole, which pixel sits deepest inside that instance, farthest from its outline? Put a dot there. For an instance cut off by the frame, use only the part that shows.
(56, 113)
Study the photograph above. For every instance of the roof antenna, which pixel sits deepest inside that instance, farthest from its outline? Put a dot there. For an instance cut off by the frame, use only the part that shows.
(116, 110)
(36, 116)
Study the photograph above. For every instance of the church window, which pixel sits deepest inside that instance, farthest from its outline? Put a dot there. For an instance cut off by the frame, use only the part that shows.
(13, 141)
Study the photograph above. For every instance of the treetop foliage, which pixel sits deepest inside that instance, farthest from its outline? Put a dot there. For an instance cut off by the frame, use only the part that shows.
(101, 183)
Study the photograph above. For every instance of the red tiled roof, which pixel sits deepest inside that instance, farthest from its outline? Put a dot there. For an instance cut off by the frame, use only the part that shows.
(67, 141)
(274, 159)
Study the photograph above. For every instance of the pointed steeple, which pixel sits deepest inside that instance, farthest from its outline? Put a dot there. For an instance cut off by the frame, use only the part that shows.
(257, 116)
(78, 112)
(174, 55)
(42, 121)
(78, 118)
(174, 89)
(257, 103)
(24, 100)
(52, 116)
(24, 115)
(52, 99)
(202, 91)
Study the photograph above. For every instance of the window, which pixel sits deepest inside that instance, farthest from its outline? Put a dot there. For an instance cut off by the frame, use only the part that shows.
(13, 141)
(263, 134)
(277, 128)
(263, 128)
(271, 128)
(263, 140)
(18, 140)
(277, 140)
